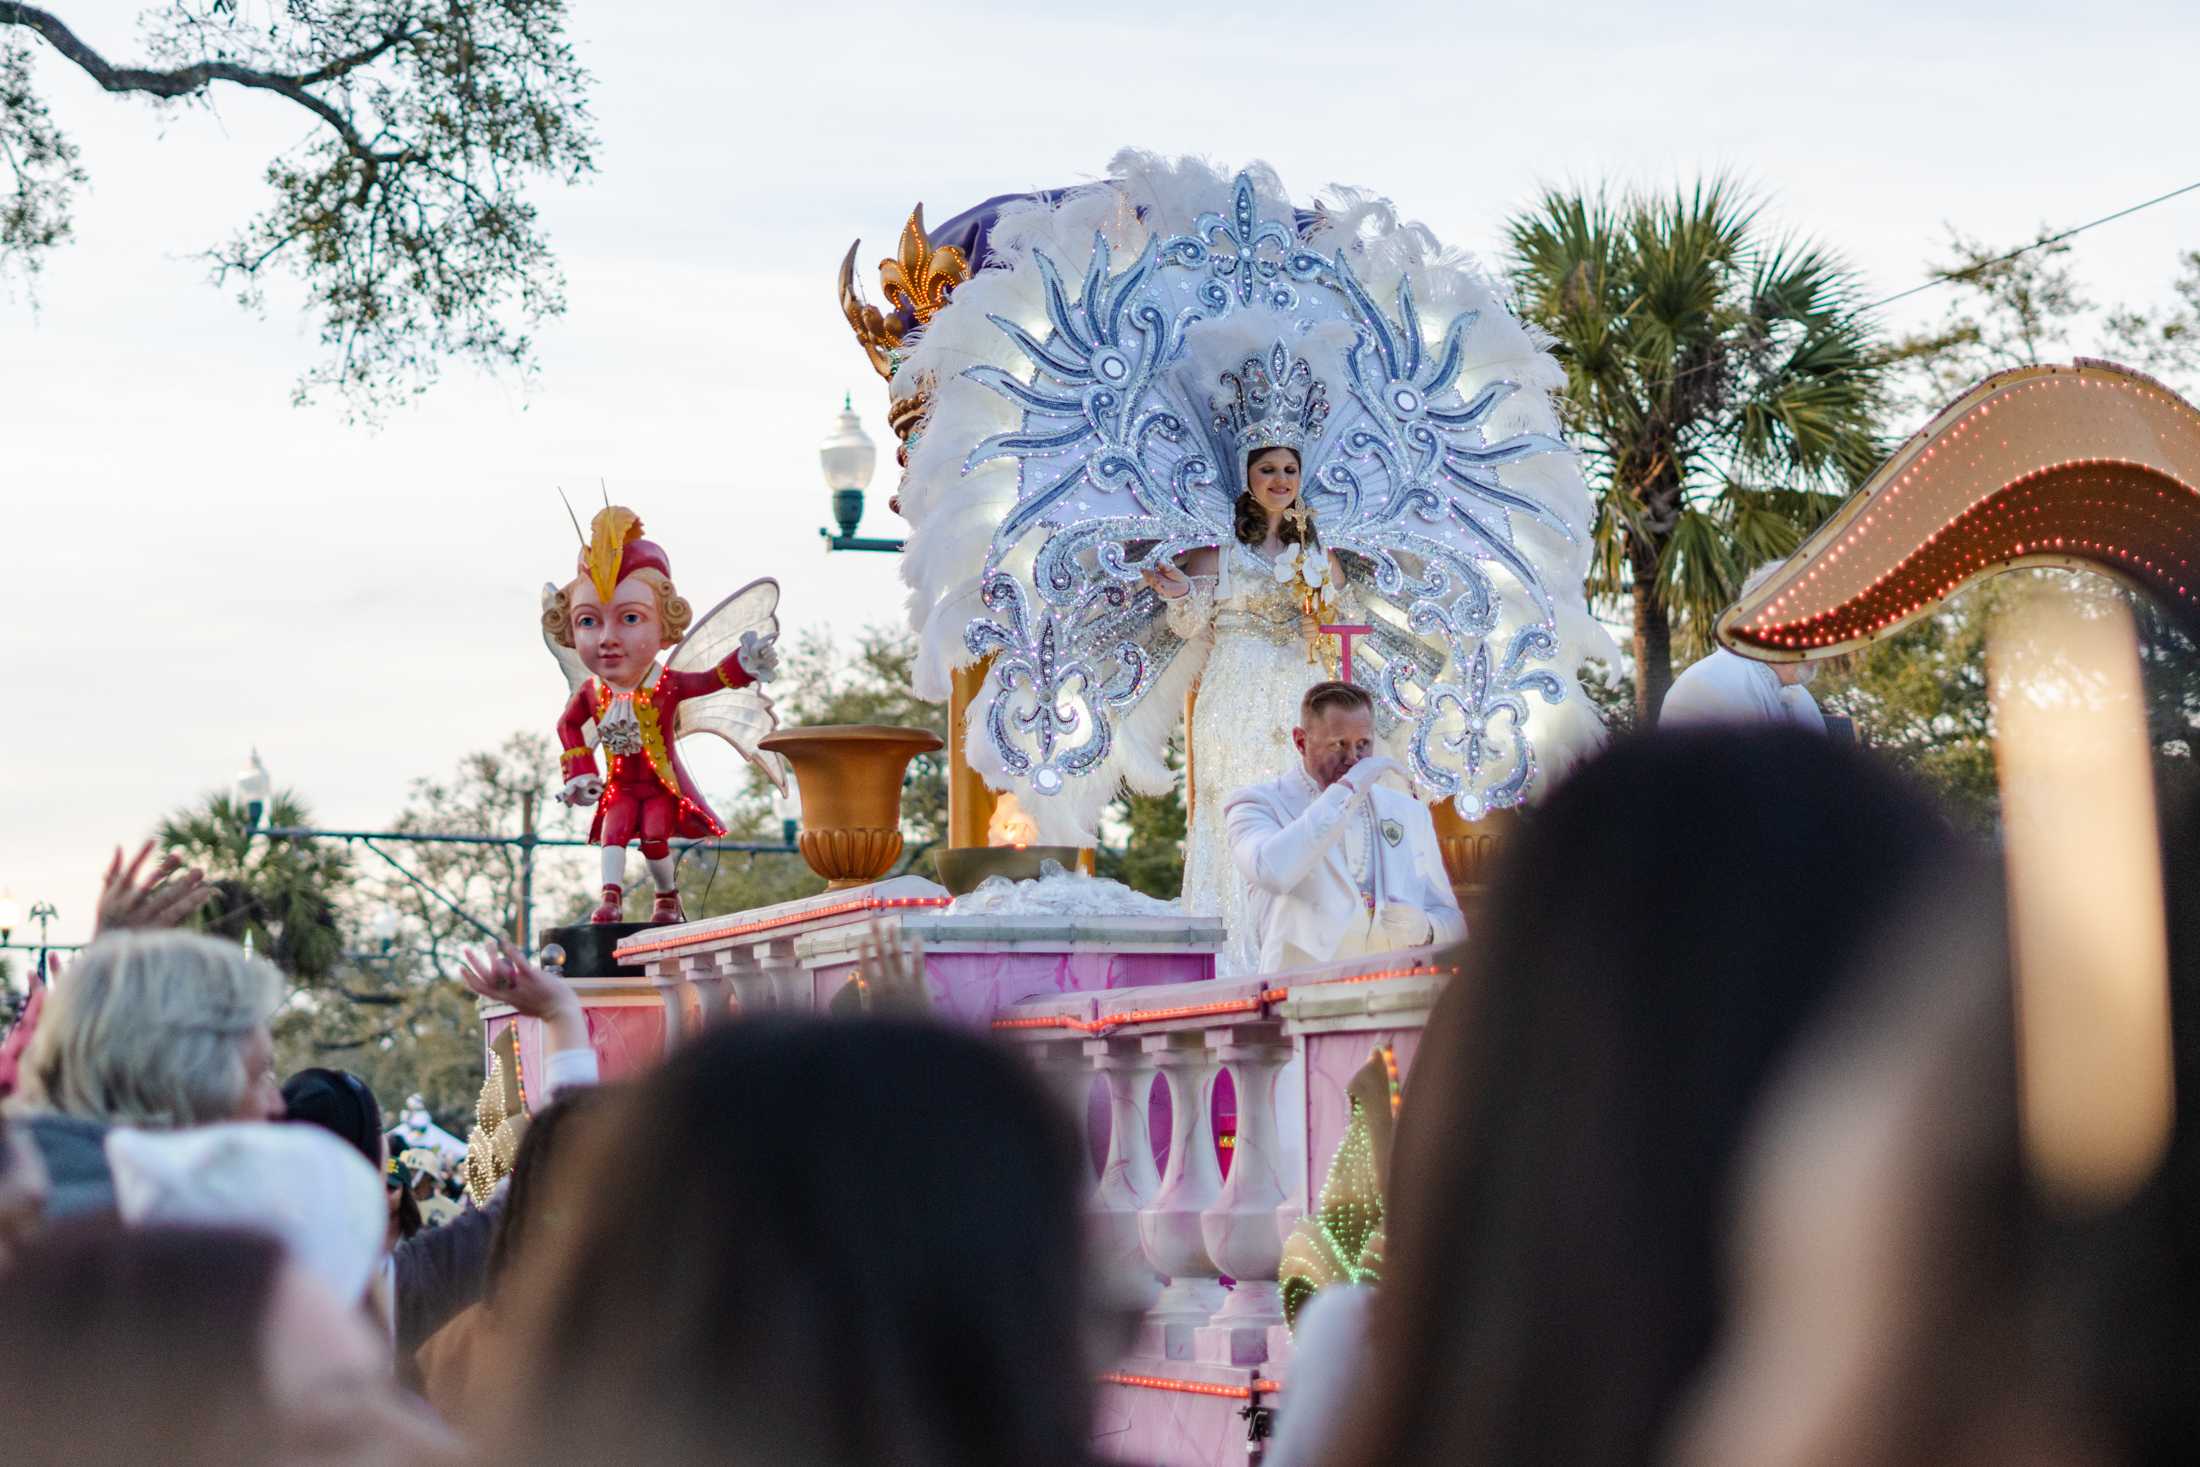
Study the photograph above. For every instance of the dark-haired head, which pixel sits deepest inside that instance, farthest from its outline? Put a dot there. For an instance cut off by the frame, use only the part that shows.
(340, 1102)
(833, 1242)
(1658, 936)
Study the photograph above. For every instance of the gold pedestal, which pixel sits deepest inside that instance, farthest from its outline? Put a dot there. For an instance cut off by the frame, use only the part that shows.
(850, 778)
(969, 803)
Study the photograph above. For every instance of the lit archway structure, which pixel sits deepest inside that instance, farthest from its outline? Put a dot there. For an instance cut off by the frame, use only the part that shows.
(2091, 466)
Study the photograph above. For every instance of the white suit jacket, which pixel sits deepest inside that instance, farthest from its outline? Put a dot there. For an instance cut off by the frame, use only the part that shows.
(1289, 846)
(1727, 688)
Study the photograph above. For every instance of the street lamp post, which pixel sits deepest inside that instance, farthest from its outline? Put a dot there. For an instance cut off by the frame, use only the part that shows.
(42, 913)
(848, 456)
(254, 792)
(787, 805)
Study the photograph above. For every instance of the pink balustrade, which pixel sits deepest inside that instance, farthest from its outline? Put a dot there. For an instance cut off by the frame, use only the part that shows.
(1213, 1106)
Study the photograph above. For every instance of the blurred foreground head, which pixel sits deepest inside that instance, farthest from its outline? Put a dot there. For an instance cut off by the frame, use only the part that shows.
(828, 1242)
(1907, 1292)
(1658, 936)
(187, 1346)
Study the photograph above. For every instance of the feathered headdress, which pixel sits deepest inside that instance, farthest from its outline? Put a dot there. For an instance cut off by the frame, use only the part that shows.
(615, 550)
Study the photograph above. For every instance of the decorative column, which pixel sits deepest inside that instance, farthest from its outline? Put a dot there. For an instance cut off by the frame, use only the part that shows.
(1128, 1178)
(752, 987)
(969, 802)
(791, 987)
(707, 973)
(1169, 1227)
(1240, 1228)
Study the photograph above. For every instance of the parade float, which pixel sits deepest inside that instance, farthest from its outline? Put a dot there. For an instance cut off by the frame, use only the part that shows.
(1035, 353)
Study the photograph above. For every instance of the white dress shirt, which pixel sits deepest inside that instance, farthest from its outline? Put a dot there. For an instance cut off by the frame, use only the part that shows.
(1333, 874)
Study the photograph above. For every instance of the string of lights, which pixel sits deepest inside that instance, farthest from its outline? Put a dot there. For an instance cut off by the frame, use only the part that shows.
(1250, 1004)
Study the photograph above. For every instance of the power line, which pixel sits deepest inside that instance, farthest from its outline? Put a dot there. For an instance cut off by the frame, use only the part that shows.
(2042, 243)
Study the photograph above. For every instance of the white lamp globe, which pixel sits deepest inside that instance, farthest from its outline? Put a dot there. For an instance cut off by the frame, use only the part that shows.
(847, 455)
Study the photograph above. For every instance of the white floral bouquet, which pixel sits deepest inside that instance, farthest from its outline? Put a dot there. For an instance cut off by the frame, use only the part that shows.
(1307, 565)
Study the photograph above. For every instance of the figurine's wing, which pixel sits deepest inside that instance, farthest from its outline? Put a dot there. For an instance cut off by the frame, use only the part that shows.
(569, 662)
(740, 716)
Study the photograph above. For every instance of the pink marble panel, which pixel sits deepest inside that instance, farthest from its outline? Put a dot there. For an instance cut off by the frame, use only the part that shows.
(627, 1038)
(1168, 1428)
(1331, 1062)
(975, 986)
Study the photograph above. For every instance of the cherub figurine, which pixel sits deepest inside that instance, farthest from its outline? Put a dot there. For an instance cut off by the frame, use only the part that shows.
(611, 622)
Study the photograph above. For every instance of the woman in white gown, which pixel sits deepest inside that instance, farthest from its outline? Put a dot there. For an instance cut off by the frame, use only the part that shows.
(1246, 601)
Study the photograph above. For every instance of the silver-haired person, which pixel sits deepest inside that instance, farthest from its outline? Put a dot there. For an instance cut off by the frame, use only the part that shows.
(155, 1029)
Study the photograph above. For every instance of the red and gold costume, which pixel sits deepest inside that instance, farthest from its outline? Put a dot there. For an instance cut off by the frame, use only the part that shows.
(644, 794)
(648, 794)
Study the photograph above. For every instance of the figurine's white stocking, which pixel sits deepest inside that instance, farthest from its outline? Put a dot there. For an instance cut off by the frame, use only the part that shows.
(614, 866)
(663, 871)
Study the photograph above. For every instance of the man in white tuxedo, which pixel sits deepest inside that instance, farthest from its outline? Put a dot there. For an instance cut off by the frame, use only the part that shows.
(1337, 866)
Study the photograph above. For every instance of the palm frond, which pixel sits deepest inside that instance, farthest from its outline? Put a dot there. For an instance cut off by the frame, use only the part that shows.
(1699, 567)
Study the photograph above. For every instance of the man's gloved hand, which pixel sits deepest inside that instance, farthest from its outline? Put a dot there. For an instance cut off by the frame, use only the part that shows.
(1407, 926)
(1361, 777)
(582, 789)
(759, 657)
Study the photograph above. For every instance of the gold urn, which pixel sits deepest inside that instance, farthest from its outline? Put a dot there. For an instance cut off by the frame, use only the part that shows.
(1470, 846)
(850, 775)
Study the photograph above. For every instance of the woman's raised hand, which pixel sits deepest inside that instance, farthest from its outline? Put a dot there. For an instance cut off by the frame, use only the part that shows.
(1168, 582)
(130, 899)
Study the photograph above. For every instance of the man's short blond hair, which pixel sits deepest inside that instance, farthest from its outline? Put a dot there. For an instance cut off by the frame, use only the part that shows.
(1326, 695)
(149, 1029)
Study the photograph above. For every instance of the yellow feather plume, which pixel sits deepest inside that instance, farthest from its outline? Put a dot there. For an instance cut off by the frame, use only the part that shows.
(608, 533)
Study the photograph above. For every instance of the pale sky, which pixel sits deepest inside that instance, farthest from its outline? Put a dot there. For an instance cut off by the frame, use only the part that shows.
(198, 568)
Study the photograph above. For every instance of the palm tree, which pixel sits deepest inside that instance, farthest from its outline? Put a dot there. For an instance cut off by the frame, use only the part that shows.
(1720, 382)
(284, 893)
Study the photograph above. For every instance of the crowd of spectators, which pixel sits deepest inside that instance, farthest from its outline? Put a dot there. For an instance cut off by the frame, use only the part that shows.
(1713, 1156)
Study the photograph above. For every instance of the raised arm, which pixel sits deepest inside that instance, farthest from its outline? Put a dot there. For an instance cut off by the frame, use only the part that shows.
(1275, 854)
(1187, 591)
(755, 660)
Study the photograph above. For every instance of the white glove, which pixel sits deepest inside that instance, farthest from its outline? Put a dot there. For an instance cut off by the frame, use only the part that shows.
(582, 789)
(759, 658)
(1407, 926)
(1361, 777)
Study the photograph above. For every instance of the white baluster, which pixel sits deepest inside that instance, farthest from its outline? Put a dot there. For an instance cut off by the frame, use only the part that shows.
(793, 987)
(1128, 1177)
(707, 972)
(752, 987)
(1240, 1228)
(1169, 1226)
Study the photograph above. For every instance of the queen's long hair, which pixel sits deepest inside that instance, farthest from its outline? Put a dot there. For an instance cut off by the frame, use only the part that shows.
(1251, 521)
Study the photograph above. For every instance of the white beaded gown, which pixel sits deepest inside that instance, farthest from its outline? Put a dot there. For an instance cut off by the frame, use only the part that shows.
(1256, 670)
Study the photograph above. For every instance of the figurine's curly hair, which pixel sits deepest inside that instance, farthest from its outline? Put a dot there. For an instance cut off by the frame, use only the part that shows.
(672, 609)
